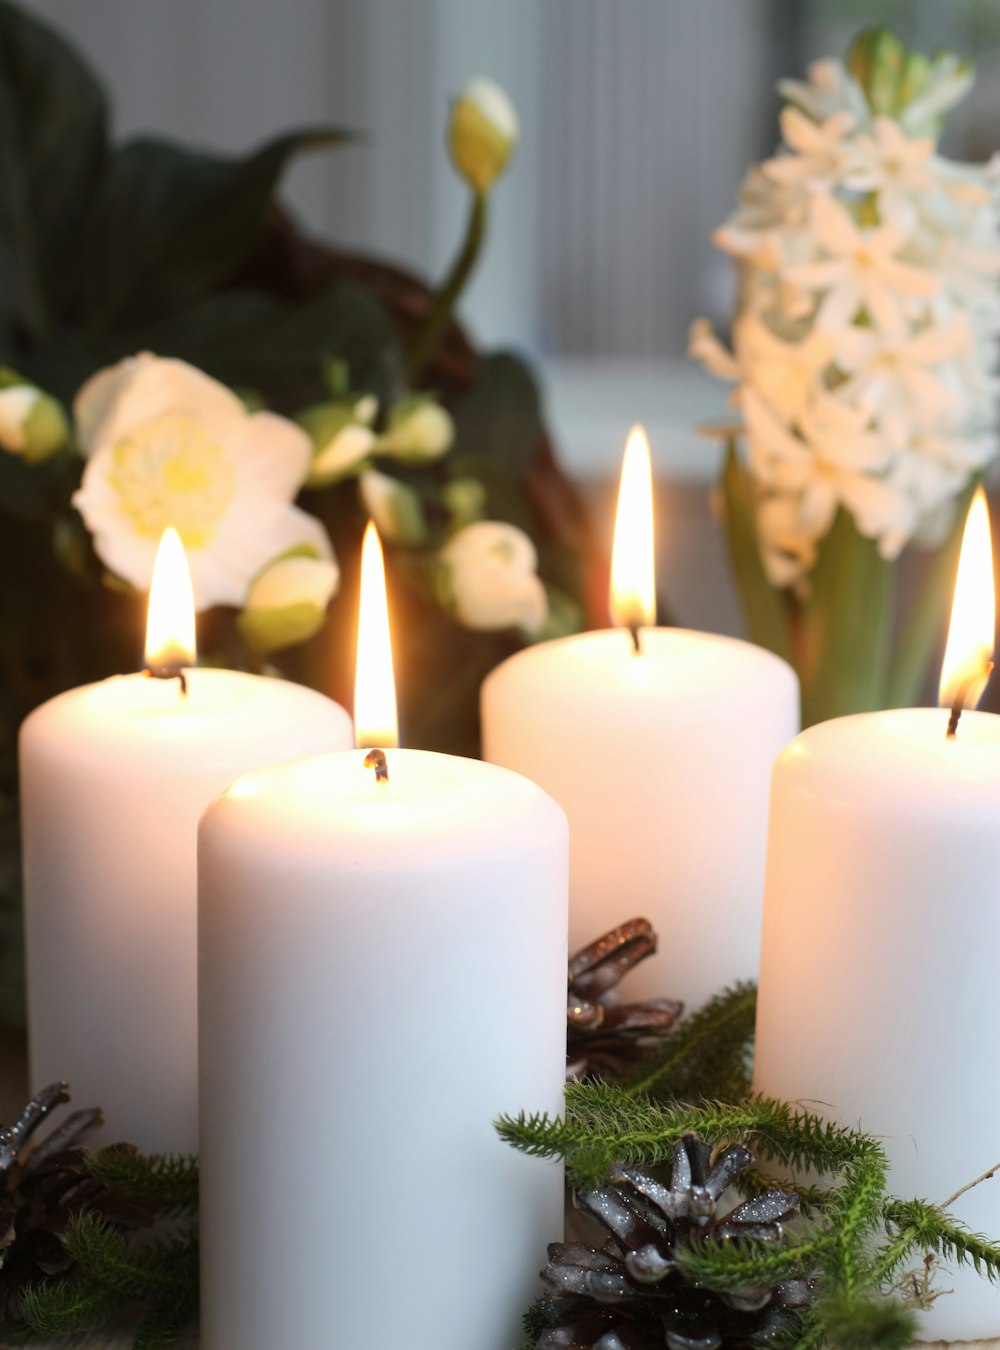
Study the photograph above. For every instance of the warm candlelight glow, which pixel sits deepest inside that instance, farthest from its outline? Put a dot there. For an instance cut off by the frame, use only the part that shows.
(968, 657)
(170, 640)
(633, 585)
(374, 686)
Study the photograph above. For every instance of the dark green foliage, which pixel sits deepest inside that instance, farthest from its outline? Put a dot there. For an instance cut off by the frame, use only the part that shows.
(861, 1323)
(146, 1279)
(707, 1055)
(168, 1183)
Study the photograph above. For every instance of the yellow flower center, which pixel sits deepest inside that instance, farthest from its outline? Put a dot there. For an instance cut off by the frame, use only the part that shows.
(171, 472)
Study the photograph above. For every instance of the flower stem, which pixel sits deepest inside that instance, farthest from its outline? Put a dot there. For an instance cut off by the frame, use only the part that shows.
(429, 337)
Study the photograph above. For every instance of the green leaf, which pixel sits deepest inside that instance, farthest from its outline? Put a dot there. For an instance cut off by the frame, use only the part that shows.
(498, 423)
(170, 223)
(764, 610)
(842, 646)
(53, 148)
(246, 338)
(927, 619)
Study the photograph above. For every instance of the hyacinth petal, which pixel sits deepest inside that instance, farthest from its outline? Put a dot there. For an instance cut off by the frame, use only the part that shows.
(705, 347)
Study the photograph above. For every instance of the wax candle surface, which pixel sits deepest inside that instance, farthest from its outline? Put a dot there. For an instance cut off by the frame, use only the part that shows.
(382, 971)
(114, 779)
(878, 984)
(661, 761)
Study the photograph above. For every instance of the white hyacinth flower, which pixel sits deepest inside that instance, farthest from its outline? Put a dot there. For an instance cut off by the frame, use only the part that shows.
(864, 343)
(167, 445)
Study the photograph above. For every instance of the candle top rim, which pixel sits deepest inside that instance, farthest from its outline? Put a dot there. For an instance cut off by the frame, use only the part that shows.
(129, 702)
(677, 652)
(335, 801)
(898, 758)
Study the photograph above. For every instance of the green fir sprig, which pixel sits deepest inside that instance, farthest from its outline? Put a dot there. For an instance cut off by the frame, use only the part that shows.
(707, 1055)
(853, 1238)
(144, 1277)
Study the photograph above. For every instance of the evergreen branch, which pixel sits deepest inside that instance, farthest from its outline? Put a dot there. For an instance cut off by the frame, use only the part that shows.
(865, 1323)
(604, 1124)
(105, 1257)
(168, 1183)
(738, 1265)
(63, 1309)
(856, 1209)
(934, 1230)
(165, 1322)
(707, 1054)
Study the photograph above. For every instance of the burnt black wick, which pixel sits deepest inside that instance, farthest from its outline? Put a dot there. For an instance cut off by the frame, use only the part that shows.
(958, 707)
(168, 673)
(375, 759)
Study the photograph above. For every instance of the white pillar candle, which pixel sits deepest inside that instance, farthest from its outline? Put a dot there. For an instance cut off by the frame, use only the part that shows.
(382, 972)
(661, 759)
(114, 777)
(878, 981)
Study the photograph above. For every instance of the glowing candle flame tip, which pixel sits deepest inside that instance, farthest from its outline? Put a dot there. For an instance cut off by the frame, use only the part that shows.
(968, 658)
(170, 630)
(375, 721)
(633, 585)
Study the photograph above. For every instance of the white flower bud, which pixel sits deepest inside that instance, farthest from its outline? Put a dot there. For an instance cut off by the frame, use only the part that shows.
(32, 424)
(492, 582)
(419, 430)
(482, 133)
(342, 439)
(394, 507)
(287, 601)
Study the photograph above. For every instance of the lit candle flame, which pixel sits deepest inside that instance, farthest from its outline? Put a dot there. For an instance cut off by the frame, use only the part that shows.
(374, 686)
(968, 657)
(633, 585)
(170, 640)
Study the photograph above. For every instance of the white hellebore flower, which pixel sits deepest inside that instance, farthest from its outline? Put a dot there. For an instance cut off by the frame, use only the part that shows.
(493, 579)
(167, 445)
(483, 132)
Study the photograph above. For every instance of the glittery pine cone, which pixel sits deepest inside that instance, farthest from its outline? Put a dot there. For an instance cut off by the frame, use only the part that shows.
(605, 1038)
(42, 1184)
(631, 1294)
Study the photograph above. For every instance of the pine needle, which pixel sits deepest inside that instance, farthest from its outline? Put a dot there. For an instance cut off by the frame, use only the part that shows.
(63, 1309)
(707, 1055)
(168, 1183)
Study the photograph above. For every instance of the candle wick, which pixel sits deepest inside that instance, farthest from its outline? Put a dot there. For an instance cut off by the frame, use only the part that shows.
(958, 707)
(376, 759)
(633, 632)
(168, 673)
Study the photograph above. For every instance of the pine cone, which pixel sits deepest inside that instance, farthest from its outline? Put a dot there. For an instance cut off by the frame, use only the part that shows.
(604, 1037)
(42, 1184)
(632, 1295)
